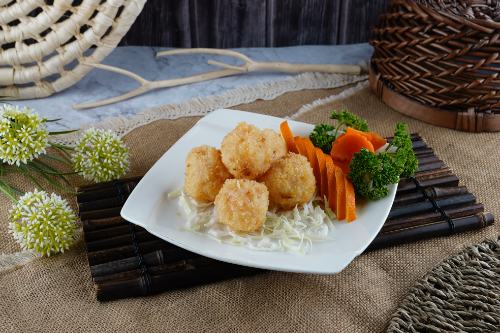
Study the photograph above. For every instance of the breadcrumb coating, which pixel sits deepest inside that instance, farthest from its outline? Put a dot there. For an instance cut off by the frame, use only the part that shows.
(248, 152)
(205, 173)
(290, 181)
(242, 204)
(275, 144)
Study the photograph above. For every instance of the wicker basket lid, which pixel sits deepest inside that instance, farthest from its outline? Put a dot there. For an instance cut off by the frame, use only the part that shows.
(43, 42)
(438, 61)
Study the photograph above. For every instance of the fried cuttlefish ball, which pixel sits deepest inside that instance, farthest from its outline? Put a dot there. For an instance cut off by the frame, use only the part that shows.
(290, 181)
(242, 204)
(205, 173)
(248, 152)
(275, 144)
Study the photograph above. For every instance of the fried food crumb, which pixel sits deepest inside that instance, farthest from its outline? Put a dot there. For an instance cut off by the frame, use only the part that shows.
(248, 152)
(242, 204)
(205, 173)
(290, 181)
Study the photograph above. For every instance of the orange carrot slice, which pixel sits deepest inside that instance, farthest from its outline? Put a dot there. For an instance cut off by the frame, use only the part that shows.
(348, 145)
(341, 198)
(300, 146)
(343, 165)
(332, 184)
(351, 130)
(322, 169)
(288, 137)
(377, 141)
(350, 201)
(313, 160)
(338, 137)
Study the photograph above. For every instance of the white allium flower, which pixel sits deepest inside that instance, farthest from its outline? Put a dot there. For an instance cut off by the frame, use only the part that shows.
(42, 223)
(100, 156)
(23, 134)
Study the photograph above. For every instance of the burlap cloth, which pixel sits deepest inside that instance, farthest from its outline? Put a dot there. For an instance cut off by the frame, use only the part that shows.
(56, 294)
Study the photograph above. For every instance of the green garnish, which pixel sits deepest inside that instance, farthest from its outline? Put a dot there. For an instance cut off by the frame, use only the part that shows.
(322, 139)
(370, 173)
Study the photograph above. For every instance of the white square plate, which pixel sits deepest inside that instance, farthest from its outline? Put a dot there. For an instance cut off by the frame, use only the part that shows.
(149, 207)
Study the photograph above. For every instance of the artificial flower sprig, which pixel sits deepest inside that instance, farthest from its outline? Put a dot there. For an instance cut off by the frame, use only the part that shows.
(40, 222)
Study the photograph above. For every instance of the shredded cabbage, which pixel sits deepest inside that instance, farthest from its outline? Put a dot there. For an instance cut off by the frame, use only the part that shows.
(293, 230)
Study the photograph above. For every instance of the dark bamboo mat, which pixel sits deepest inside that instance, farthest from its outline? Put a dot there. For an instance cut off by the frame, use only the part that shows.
(126, 263)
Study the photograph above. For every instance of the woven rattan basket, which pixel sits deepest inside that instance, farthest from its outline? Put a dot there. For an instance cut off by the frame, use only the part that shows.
(44, 42)
(438, 61)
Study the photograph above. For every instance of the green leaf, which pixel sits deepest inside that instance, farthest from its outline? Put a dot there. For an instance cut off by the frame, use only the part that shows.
(30, 177)
(55, 158)
(51, 121)
(11, 188)
(61, 146)
(63, 132)
(320, 137)
(55, 185)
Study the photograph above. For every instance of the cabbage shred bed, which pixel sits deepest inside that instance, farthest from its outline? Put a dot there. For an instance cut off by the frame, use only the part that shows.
(293, 230)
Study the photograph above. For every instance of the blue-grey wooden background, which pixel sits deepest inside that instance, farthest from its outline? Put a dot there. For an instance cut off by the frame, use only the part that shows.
(253, 23)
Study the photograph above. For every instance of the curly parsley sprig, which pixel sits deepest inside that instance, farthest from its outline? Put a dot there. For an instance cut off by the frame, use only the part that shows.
(324, 140)
(370, 174)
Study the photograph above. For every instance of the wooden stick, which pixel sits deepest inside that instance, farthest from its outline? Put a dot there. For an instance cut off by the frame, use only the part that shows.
(117, 241)
(403, 236)
(101, 234)
(157, 258)
(104, 193)
(128, 251)
(429, 166)
(434, 192)
(434, 173)
(173, 280)
(101, 204)
(107, 184)
(423, 151)
(421, 219)
(443, 181)
(427, 206)
(96, 224)
(249, 66)
(101, 213)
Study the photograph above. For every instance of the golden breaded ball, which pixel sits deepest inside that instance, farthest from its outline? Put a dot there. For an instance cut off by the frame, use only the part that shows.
(275, 144)
(242, 204)
(290, 181)
(245, 152)
(205, 173)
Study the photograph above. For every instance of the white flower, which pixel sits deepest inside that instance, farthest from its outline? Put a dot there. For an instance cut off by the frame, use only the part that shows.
(42, 223)
(23, 135)
(100, 156)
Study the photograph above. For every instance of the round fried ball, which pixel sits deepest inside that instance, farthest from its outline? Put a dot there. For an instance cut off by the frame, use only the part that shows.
(205, 173)
(245, 152)
(275, 144)
(242, 204)
(290, 181)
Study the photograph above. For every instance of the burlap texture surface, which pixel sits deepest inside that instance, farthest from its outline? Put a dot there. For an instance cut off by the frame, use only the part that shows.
(56, 294)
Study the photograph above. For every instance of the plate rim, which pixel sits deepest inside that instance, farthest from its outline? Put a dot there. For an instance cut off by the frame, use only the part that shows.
(347, 257)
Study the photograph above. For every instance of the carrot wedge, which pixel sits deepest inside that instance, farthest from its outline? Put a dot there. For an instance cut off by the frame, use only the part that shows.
(332, 183)
(311, 152)
(300, 146)
(377, 141)
(348, 145)
(341, 198)
(343, 165)
(287, 135)
(322, 169)
(350, 201)
(351, 130)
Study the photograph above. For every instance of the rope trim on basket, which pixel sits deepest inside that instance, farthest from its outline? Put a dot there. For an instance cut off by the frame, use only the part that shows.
(142, 265)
